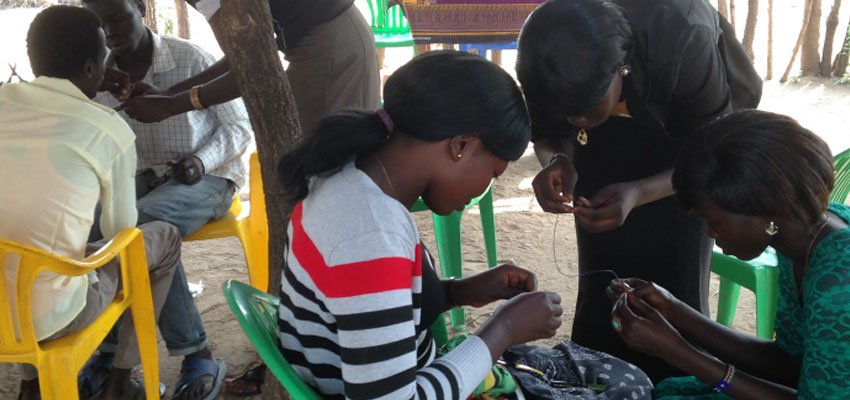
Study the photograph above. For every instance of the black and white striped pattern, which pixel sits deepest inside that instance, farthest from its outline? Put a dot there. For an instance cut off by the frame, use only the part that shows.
(341, 331)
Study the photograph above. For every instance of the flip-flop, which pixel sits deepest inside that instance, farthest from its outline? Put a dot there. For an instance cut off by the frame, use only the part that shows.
(89, 383)
(255, 377)
(193, 368)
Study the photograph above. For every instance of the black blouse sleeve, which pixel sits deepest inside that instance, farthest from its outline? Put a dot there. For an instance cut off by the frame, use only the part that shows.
(701, 92)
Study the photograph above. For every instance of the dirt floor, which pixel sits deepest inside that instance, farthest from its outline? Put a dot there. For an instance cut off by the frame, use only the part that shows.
(525, 233)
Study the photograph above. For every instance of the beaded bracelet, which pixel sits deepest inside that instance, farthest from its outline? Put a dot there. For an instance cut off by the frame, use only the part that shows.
(727, 380)
(557, 156)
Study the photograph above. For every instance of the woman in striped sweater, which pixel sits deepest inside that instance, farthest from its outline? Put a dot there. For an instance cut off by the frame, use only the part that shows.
(358, 296)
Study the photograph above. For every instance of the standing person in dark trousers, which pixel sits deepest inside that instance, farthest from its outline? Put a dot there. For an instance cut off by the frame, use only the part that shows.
(612, 86)
(333, 64)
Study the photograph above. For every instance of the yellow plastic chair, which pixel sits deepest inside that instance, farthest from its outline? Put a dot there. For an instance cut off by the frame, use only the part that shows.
(252, 229)
(59, 361)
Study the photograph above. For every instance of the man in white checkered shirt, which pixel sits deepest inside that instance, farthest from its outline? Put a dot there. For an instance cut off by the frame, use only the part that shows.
(189, 167)
(190, 164)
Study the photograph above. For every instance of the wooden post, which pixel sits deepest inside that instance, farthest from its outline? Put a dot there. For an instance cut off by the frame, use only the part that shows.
(806, 14)
(829, 37)
(810, 49)
(732, 14)
(150, 15)
(245, 33)
(769, 40)
(750, 28)
(497, 57)
(182, 19)
(839, 66)
(248, 41)
(723, 9)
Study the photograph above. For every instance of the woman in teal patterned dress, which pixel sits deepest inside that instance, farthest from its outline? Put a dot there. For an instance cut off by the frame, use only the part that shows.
(759, 179)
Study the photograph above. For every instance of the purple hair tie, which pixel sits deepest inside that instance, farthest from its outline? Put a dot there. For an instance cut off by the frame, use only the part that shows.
(388, 122)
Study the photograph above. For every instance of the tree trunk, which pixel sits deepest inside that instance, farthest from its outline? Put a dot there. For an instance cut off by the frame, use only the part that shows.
(806, 13)
(732, 14)
(829, 38)
(248, 40)
(839, 66)
(769, 40)
(150, 15)
(750, 28)
(723, 9)
(810, 52)
(182, 19)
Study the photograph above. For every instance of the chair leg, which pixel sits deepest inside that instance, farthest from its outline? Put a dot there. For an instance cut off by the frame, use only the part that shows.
(727, 301)
(258, 272)
(57, 381)
(488, 225)
(767, 295)
(143, 319)
(447, 233)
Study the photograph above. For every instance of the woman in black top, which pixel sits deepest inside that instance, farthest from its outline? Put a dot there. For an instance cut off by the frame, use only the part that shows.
(612, 86)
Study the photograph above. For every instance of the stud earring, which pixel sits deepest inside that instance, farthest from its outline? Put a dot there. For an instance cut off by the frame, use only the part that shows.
(624, 70)
(459, 155)
(771, 229)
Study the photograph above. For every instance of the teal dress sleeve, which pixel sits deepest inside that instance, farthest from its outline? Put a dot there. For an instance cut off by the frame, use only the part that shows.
(825, 325)
(816, 330)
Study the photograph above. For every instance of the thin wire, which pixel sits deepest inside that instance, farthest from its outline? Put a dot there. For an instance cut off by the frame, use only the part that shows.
(558, 267)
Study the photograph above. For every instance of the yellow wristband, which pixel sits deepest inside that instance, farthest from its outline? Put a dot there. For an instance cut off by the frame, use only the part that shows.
(195, 99)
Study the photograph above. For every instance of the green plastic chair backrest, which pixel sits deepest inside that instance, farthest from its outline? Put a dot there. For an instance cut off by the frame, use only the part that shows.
(387, 20)
(257, 314)
(842, 178)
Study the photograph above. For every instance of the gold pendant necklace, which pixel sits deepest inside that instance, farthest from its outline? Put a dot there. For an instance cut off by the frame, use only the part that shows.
(581, 137)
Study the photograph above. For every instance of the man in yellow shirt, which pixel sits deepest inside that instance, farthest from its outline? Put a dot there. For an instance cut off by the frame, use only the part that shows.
(61, 153)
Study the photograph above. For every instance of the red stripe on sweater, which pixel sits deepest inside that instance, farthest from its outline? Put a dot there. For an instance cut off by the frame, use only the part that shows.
(354, 279)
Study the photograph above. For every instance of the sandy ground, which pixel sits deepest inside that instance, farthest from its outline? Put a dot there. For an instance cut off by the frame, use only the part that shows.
(524, 232)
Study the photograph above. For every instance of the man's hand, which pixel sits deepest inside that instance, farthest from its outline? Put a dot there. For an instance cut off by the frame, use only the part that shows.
(188, 171)
(117, 83)
(499, 283)
(142, 88)
(149, 108)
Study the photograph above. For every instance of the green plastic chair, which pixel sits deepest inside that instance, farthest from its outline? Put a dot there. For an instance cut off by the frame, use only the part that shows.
(761, 275)
(256, 312)
(447, 234)
(842, 178)
(389, 26)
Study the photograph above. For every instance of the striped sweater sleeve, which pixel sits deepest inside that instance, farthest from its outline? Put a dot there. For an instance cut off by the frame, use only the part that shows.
(376, 324)
(371, 302)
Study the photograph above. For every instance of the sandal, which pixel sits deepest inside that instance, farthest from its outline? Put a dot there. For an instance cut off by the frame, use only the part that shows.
(253, 378)
(194, 368)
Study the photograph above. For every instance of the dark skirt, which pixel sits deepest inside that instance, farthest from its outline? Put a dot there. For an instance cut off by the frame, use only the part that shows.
(658, 242)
